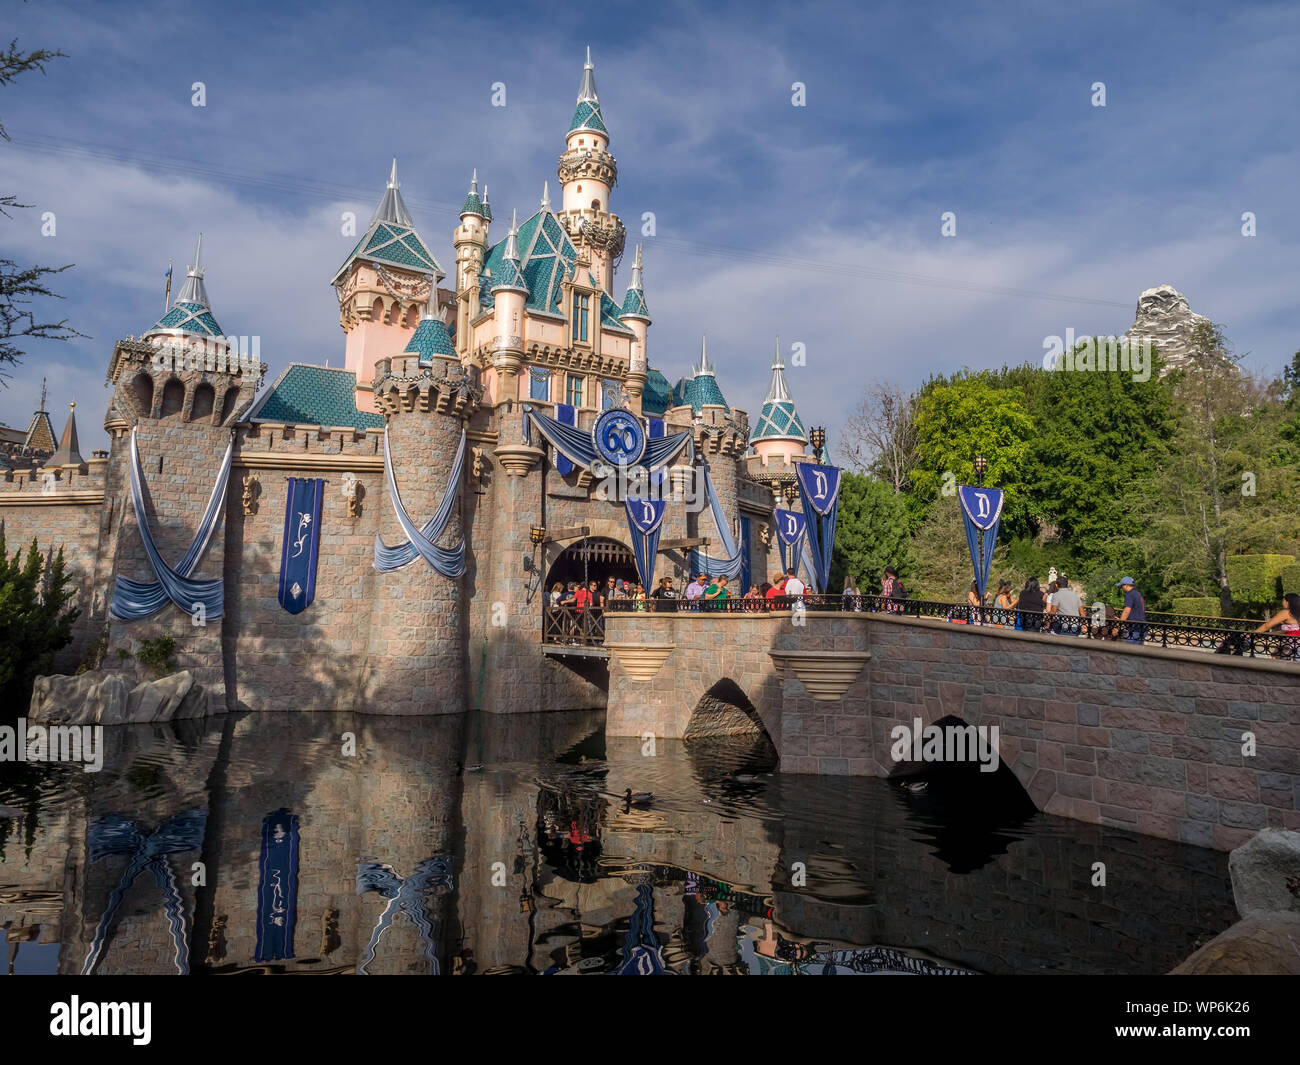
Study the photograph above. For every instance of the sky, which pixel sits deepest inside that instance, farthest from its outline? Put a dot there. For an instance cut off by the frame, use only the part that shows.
(820, 224)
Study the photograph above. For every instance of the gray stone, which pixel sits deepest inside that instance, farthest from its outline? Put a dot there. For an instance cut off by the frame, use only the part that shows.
(1257, 946)
(96, 698)
(1265, 873)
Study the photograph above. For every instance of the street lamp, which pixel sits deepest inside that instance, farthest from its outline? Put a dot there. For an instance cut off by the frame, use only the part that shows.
(981, 468)
(817, 437)
(791, 492)
(537, 534)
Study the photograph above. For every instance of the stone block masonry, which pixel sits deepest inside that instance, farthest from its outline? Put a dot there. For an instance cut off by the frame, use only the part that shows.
(1146, 739)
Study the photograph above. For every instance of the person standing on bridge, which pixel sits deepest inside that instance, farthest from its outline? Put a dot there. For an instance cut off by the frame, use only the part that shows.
(1135, 610)
(696, 589)
(1288, 620)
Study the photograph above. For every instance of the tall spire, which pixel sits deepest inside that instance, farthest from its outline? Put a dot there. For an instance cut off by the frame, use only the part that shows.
(704, 369)
(546, 196)
(511, 270)
(487, 207)
(194, 290)
(68, 453)
(391, 208)
(473, 205)
(587, 115)
(777, 390)
(634, 305)
(778, 420)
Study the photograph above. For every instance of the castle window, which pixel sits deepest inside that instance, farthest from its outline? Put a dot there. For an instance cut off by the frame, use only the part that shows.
(173, 397)
(573, 390)
(581, 314)
(595, 205)
(205, 398)
(539, 384)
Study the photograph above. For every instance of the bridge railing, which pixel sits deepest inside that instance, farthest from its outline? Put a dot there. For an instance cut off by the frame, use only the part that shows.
(1154, 632)
(572, 626)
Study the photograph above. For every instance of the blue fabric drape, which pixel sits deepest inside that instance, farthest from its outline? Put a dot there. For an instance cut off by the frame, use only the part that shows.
(973, 544)
(820, 489)
(449, 561)
(566, 414)
(409, 896)
(731, 561)
(645, 519)
(137, 600)
(789, 537)
(981, 510)
(118, 835)
(656, 428)
(746, 574)
(577, 446)
(642, 954)
(277, 886)
(300, 545)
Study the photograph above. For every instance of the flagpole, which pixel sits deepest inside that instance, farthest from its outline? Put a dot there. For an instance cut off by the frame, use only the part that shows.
(167, 296)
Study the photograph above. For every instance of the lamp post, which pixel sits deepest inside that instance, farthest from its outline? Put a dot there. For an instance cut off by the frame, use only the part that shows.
(981, 465)
(817, 437)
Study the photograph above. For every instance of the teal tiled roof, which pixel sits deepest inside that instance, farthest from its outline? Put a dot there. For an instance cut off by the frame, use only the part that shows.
(315, 395)
(587, 116)
(697, 392)
(429, 339)
(657, 396)
(399, 245)
(473, 205)
(190, 317)
(508, 275)
(609, 312)
(778, 421)
(634, 305)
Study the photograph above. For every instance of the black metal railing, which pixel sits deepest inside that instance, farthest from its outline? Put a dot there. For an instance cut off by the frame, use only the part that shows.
(1153, 632)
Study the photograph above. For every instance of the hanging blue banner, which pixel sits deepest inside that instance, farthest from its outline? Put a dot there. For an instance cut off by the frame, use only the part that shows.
(301, 544)
(981, 510)
(790, 529)
(645, 518)
(819, 487)
(277, 886)
(565, 414)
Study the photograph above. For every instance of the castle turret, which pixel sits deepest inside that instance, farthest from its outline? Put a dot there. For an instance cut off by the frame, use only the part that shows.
(587, 174)
(778, 433)
(382, 287)
(68, 455)
(471, 242)
(189, 322)
(509, 294)
(636, 316)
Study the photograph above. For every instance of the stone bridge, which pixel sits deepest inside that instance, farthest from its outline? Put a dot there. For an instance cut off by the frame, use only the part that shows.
(1147, 739)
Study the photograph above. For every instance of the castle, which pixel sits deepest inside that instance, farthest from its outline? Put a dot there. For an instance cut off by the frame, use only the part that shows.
(445, 411)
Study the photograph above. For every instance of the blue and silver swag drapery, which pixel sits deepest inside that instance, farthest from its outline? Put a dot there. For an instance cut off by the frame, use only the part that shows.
(981, 511)
(137, 600)
(409, 896)
(730, 563)
(577, 446)
(449, 561)
(820, 488)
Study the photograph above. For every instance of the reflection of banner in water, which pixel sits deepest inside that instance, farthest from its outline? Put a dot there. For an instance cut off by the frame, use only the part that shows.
(301, 544)
(642, 955)
(115, 834)
(409, 896)
(880, 960)
(745, 902)
(277, 886)
(137, 600)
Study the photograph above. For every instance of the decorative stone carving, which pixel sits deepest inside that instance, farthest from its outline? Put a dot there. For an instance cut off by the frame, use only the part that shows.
(641, 661)
(827, 675)
(252, 489)
(353, 491)
(518, 459)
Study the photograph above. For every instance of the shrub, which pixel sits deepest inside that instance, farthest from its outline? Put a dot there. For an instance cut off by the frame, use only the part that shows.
(159, 655)
(1198, 606)
(1290, 579)
(1256, 578)
(35, 618)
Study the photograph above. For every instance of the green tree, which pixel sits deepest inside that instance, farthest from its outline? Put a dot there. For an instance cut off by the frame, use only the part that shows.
(35, 619)
(871, 532)
(959, 419)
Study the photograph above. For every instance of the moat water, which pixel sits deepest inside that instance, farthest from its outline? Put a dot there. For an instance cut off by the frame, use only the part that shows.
(326, 843)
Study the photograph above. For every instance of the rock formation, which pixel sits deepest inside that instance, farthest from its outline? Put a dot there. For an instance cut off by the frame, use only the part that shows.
(1164, 317)
(96, 698)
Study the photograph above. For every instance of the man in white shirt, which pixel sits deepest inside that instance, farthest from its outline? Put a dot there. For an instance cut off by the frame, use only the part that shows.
(696, 588)
(794, 587)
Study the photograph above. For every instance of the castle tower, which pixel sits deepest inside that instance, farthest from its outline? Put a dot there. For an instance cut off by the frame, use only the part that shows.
(382, 287)
(509, 294)
(719, 440)
(471, 242)
(587, 174)
(180, 388)
(417, 635)
(778, 434)
(636, 316)
(68, 456)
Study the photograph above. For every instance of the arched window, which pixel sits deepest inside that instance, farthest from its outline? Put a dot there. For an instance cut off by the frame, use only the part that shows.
(412, 318)
(142, 386)
(173, 397)
(228, 402)
(205, 398)
(393, 312)
(377, 310)
(595, 205)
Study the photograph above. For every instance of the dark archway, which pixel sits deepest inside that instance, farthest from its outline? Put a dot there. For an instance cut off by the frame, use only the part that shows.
(173, 398)
(205, 398)
(593, 559)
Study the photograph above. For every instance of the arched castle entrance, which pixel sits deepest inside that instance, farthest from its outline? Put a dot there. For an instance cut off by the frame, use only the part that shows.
(592, 559)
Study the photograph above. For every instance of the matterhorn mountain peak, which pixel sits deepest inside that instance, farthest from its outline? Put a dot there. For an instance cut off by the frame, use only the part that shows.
(1167, 320)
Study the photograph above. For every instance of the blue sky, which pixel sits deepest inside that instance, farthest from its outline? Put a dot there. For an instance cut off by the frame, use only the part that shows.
(818, 223)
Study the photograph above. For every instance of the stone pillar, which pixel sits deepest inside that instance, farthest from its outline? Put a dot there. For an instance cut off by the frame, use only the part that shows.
(417, 656)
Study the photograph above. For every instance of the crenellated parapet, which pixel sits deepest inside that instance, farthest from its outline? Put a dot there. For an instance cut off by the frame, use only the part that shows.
(446, 387)
(719, 431)
(209, 384)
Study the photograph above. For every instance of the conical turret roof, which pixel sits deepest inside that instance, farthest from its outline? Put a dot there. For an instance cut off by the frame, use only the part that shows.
(191, 313)
(634, 305)
(587, 114)
(778, 420)
(509, 271)
(68, 453)
(391, 240)
(473, 205)
(431, 339)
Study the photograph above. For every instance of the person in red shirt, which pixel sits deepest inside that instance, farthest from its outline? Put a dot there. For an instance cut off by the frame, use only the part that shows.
(582, 599)
(777, 589)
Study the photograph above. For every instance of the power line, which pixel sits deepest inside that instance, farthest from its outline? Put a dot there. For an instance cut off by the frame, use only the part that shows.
(325, 190)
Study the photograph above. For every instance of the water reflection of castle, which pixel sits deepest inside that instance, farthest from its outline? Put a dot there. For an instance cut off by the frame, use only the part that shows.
(396, 861)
